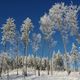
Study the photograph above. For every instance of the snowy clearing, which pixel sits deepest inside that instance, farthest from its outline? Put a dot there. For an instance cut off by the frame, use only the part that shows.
(56, 76)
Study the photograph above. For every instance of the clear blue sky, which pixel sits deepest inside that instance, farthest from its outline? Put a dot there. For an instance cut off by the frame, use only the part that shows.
(21, 9)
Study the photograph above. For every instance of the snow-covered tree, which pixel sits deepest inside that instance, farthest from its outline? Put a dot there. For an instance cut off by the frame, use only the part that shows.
(4, 65)
(47, 28)
(1, 64)
(16, 46)
(46, 25)
(51, 45)
(58, 63)
(75, 56)
(53, 54)
(8, 34)
(67, 61)
(65, 20)
(8, 31)
(44, 63)
(25, 30)
(36, 39)
(30, 61)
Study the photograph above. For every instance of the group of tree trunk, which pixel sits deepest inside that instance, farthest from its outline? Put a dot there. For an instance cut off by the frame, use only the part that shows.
(55, 63)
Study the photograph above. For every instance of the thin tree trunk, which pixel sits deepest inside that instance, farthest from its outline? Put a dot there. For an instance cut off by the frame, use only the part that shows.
(38, 67)
(7, 63)
(51, 67)
(23, 60)
(26, 58)
(75, 66)
(0, 71)
(51, 61)
(65, 53)
(35, 63)
(17, 63)
(39, 72)
(42, 51)
(48, 59)
(17, 56)
(48, 67)
(67, 65)
(1, 66)
(7, 73)
(25, 65)
(40, 64)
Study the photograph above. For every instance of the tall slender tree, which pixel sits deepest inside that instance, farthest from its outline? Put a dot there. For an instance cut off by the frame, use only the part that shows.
(75, 56)
(25, 30)
(46, 26)
(65, 21)
(51, 46)
(16, 45)
(8, 31)
(36, 39)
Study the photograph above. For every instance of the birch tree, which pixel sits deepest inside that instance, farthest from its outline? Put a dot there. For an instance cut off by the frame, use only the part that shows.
(47, 29)
(25, 30)
(16, 46)
(52, 44)
(1, 64)
(36, 39)
(65, 21)
(8, 33)
(75, 56)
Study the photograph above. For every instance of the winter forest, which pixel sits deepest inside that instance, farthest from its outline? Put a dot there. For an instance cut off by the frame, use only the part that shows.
(39, 59)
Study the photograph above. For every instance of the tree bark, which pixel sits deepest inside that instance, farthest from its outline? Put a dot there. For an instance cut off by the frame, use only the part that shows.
(26, 58)
(17, 55)
(35, 63)
(39, 72)
(42, 57)
(25, 65)
(48, 57)
(7, 62)
(51, 67)
(65, 52)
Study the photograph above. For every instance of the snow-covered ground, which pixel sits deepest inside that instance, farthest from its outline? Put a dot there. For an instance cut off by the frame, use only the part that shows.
(56, 76)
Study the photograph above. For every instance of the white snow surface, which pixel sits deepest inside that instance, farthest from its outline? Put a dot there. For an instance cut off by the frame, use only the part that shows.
(31, 76)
